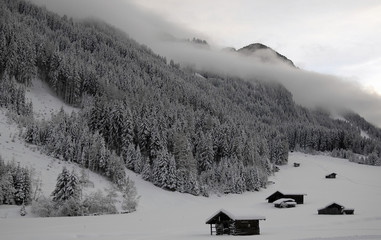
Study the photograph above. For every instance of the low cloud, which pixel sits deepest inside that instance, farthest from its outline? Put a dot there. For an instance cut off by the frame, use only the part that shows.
(309, 89)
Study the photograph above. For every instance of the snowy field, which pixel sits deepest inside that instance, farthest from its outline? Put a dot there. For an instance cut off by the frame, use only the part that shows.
(170, 215)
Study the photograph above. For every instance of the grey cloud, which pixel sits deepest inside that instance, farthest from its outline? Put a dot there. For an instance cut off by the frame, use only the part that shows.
(309, 89)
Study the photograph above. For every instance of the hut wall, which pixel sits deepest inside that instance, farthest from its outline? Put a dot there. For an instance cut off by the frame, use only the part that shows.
(246, 227)
(331, 211)
(299, 199)
(349, 211)
(331, 176)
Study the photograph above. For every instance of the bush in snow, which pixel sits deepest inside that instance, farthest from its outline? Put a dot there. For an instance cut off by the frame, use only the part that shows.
(98, 203)
(23, 210)
(70, 208)
(130, 197)
(44, 207)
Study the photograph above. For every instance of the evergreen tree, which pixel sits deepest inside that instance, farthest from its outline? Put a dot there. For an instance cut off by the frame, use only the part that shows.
(164, 171)
(67, 186)
(130, 156)
(115, 170)
(22, 186)
(146, 172)
(205, 152)
(7, 190)
(139, 160)
(183, 153)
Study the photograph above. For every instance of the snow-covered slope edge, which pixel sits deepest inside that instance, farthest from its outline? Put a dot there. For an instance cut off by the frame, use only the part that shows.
(45, 168)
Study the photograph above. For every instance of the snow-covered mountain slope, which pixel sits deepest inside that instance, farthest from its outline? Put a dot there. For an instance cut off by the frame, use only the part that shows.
(172, 215)
(45, 101)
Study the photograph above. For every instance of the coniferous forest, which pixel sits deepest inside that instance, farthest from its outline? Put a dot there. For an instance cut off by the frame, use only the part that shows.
(144, 112)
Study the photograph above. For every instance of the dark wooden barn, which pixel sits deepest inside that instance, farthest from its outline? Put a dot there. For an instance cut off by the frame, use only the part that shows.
(335, 209)
(224, 222)
(331, 175)
(299, 198)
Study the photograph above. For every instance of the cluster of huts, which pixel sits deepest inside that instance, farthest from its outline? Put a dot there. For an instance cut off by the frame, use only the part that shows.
(233, 223)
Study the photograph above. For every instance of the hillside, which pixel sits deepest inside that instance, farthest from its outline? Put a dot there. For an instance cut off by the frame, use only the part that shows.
(356, 186)
(135, 109)
(44, 169)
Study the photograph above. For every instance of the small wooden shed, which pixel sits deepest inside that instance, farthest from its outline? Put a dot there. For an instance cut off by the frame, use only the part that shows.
(298, 197)
(237, 223)
(296, 164)
(335, 209)
(331, 175)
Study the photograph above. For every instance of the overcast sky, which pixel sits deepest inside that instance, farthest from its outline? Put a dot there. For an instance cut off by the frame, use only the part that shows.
(337, 43)
(340, 37)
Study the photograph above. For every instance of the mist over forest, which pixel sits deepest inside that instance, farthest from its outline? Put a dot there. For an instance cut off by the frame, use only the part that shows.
(309, 89)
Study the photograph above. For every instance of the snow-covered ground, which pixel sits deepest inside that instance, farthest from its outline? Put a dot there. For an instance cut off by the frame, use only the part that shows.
(45, 101)
(364, 134)
(170, 215)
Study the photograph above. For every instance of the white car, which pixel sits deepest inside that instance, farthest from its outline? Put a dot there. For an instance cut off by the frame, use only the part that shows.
(285, 203)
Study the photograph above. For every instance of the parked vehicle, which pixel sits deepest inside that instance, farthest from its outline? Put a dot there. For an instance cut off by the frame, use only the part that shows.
(285, 203)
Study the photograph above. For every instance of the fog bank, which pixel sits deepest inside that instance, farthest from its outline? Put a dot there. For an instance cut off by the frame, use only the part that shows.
(309, 89)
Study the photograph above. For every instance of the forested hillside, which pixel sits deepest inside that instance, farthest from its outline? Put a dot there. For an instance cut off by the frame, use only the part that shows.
(181, 131)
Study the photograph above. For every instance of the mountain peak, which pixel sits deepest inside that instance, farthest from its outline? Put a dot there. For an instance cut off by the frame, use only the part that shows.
(255, 48)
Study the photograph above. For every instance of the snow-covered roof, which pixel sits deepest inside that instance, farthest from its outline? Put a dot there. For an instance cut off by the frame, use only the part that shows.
(238, 214)
(333, 203)
(288, 193)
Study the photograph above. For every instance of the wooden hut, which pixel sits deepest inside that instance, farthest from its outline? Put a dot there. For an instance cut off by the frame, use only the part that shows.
(331, 175)
(335, 209)
(332, 209)
(298, 197)
(225, 222)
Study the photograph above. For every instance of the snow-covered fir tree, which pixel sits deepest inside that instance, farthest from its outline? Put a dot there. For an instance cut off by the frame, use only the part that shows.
(164, 170)
(67, 186)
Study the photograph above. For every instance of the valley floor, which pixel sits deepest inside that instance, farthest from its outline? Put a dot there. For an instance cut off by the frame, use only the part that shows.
(170, 215)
